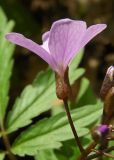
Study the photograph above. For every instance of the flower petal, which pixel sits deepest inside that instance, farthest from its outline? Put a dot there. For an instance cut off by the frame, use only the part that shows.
(91, 32)
(64, 39)
(45, 36)
(45, 39)
(20, 40)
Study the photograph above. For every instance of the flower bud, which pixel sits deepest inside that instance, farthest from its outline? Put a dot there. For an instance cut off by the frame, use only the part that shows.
(108, 109)
(108, 82)
(99, 133)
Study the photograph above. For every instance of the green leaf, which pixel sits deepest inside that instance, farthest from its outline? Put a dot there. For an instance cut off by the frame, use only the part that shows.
(68, 151)
(85, 95)
(49, 133)
(6, 62)
(74, 72)
(50, 154)
(2, 155)
(35, 99)
(46, 155)
(76, 61)
(3, 19)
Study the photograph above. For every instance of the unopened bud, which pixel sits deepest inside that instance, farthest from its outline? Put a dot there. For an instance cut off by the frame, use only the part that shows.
(63, 88)
(108, 109)
(99, 133)
(108, 82)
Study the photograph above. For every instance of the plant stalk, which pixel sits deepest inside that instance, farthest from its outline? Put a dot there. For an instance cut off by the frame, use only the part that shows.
(88, 150)
(73, 128)
(7, 143)
(98, 154)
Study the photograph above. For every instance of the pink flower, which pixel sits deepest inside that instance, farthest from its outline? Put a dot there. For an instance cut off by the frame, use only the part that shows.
(64, 40)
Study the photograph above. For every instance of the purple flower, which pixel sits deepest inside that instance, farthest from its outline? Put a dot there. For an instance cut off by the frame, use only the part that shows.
(99, 133)
(103, 130)
(64, 40)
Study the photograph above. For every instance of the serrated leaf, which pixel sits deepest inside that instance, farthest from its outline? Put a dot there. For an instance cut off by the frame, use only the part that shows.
(46, 155)
(84, 86)
(2, 155)
(3, 19)
(68, 151)
(34, 100)
(51, 131)
(85, 95)
(77, 73)
(77, 59)
(74, 72)
(6, 52)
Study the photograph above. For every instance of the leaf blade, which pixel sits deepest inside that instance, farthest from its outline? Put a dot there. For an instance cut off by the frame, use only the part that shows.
(46, 155)
(38, 136)
(6, 62)
(33, 101)
(2, 155)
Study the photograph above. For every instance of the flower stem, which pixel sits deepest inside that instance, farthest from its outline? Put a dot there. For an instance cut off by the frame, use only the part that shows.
(73, 128)
(7, 143)
(102, 153)
(87, 151)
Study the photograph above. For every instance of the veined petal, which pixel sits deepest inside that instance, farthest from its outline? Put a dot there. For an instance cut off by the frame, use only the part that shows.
(45, 39)
(64, 39)
(45, 36)
(91, 32)
(20, 40)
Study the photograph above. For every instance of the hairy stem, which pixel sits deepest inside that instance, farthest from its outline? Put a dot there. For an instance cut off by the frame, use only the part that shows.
(73, 128)
(7, 143)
